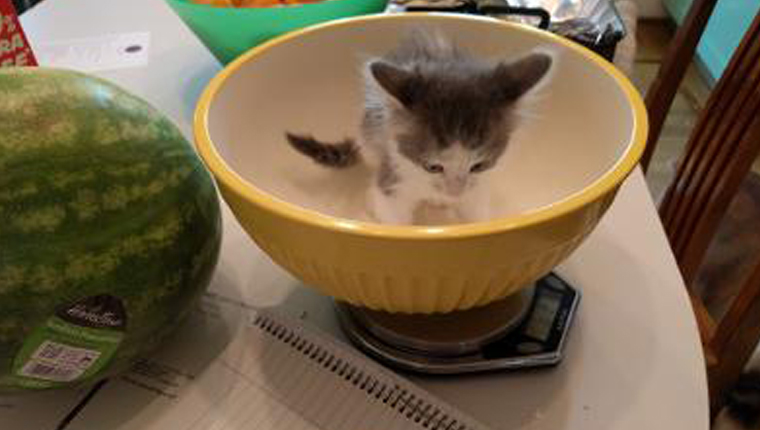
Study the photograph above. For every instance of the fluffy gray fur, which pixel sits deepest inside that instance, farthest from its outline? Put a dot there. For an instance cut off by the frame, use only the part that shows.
(435, 118)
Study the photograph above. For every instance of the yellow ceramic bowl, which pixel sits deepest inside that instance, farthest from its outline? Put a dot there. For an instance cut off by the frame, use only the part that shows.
(584, 136)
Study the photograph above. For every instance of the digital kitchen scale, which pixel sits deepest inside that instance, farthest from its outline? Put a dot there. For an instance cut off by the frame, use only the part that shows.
(526, 329)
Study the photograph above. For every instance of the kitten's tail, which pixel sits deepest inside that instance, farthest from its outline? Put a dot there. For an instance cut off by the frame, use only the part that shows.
(338, 155)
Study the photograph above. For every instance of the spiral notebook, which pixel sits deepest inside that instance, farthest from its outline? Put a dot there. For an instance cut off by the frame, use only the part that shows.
(275, 373)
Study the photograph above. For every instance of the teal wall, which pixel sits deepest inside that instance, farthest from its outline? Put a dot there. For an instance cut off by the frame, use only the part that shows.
(727, 25)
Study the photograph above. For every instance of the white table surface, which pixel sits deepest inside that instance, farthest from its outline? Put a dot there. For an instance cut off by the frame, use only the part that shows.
(633, 360)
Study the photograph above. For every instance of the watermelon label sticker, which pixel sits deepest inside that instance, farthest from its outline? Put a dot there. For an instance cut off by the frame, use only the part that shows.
(54, 361)
(72, 345)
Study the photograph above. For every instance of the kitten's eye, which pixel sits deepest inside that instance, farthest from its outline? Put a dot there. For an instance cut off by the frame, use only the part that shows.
(478, 167)
(433, 168)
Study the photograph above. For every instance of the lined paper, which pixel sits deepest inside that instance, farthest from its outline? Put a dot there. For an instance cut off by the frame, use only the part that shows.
(301, 380)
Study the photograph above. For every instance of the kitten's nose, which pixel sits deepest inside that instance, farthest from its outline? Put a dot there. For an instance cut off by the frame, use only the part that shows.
(455, 186)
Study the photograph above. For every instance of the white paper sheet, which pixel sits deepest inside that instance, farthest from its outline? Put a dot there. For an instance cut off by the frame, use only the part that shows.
(222, 372)
(108, 52)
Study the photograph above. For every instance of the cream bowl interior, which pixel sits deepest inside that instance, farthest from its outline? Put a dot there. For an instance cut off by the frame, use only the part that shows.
(576, 127)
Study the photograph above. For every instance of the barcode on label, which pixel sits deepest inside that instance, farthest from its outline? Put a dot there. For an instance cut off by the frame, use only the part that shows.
(49, 351)
(54, 361)
(53, 373)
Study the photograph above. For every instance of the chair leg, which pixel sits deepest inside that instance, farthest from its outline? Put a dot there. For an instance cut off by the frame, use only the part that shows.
(736, 337)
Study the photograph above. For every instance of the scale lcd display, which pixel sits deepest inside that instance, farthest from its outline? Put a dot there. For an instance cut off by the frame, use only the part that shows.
(541, 320)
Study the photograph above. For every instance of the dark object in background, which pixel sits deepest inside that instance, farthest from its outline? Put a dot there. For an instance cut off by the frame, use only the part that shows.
(23, 5)
(589, 34)
(743, 402)
(594, 24)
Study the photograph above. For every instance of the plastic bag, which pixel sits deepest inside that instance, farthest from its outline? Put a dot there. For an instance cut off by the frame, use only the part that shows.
(595, 24)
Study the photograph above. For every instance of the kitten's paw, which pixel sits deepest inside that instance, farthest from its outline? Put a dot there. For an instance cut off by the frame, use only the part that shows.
(389, 210)
(477, 208)
(475, 215)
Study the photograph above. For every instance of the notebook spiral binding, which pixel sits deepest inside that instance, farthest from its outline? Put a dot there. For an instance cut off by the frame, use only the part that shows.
(392, 395)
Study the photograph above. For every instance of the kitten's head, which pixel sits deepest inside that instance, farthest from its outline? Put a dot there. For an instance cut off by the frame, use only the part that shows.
(453, 117)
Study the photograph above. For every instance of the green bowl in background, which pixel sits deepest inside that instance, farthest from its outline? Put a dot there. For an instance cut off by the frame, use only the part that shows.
(229, 31)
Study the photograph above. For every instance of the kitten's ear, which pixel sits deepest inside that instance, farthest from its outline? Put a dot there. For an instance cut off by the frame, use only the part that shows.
(399, 83)
(516, 78)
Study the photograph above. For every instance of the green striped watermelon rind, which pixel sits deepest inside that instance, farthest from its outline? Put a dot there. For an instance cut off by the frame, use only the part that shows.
(99, 194)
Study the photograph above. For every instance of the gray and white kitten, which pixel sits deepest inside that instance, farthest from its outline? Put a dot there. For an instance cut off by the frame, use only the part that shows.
(435, 119)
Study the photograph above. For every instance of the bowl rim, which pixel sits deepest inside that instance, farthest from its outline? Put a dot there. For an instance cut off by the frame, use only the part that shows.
(601, 186)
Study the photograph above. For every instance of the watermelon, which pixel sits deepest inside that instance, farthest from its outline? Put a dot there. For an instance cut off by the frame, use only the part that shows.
(110, 228)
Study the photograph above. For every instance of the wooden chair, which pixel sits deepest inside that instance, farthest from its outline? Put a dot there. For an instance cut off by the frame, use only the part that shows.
(713, 170)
